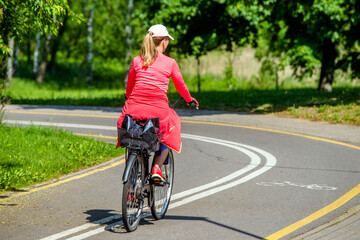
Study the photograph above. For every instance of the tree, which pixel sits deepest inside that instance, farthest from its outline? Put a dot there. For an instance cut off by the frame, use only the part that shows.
(57, 40)
(129, 37)
(37, 49)
(10, 69)
(18, 18)
(89, 53)
(43, 65)
(308, 33)
(108, 37)
(200, 26)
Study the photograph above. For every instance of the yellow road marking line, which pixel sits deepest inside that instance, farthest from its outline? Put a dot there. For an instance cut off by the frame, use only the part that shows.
(62, 114)
(94, 135)
(342, 200)
(65, 180)
(272, 130)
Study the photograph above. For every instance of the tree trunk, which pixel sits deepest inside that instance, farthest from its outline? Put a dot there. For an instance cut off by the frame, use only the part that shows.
(42, 71)
(327, 66)
(129, 38)
(198, 72)
(10, 70)
(37, 55)
(89, 56)
(56, 42)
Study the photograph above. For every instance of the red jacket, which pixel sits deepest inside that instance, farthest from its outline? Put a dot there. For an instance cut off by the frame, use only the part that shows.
(147, 96)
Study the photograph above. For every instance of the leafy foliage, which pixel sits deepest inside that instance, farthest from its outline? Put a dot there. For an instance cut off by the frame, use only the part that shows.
(304, 34)
(108, 30)
(18, 18)
(300, 34)
(200, 26)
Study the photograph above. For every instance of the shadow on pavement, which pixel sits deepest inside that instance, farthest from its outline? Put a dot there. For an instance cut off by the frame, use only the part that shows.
(114, 223)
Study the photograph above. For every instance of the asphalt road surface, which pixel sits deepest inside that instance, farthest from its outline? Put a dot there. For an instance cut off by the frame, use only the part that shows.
(231, 182)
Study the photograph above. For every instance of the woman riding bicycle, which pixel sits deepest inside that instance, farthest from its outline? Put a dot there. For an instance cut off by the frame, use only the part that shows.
(146, 92)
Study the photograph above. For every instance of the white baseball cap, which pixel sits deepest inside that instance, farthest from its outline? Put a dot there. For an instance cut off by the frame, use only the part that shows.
(159, 30)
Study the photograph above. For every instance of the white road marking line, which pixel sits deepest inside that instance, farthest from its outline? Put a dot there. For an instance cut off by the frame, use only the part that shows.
(312, 186)
(82, 227)
(270, 162)
(102, 229)
(71, 231)
(53, 124)
(87, 234)
(255, 162)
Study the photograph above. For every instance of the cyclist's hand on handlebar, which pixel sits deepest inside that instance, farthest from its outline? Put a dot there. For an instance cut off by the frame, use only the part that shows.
(193, 103)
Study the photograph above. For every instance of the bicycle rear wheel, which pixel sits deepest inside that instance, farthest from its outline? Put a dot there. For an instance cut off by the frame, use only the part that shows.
(161, 194)
(132, 201)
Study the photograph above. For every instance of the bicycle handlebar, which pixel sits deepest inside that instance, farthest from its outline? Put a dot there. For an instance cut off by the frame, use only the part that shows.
(176, 102)
(192, 103)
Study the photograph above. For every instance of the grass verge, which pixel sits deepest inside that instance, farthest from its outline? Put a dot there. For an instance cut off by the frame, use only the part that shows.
(33, 155)
(342, 113)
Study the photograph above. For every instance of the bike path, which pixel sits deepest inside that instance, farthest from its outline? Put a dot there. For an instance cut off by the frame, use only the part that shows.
(345, 227)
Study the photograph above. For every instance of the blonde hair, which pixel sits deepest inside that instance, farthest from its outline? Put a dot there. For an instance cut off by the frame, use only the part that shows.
(148, 48)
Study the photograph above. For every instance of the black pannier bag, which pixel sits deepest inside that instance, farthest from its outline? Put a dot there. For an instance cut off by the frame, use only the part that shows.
(140, 134)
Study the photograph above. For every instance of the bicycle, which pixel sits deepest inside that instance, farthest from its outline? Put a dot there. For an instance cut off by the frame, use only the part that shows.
(141, 140)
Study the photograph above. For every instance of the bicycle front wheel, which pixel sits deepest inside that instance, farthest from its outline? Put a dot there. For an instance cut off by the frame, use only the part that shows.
(132, 200)
(161, 194)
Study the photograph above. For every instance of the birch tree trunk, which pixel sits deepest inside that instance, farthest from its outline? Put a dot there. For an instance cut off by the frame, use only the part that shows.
(37, 55)
(10, 70)
(129, 38)
(89, 56)
(42, 70)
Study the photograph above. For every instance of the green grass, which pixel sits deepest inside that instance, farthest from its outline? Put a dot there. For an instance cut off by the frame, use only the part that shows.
(71, 73)
(342, 113)
(33, 155)
(26, 91)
